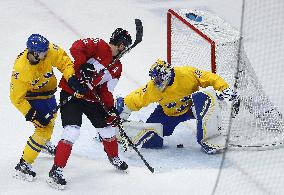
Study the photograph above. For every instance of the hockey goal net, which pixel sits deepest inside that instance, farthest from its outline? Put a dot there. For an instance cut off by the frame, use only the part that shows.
(204, 40)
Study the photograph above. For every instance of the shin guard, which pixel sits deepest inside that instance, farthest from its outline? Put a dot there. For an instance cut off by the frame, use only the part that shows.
(63, 151)
(111, 147)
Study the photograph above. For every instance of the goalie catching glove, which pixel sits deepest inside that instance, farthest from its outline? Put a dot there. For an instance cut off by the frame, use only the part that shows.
(233, 97)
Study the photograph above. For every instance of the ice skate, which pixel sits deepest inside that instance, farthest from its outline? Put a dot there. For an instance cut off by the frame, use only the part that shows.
(23, 171)
(49, 148)
(119, 164)
(56, 179)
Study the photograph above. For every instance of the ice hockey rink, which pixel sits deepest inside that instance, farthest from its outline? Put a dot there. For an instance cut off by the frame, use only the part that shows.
(177, 170)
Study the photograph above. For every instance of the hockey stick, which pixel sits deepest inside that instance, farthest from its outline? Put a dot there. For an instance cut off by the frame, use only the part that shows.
(59, 106)
(139, 35)
(123, 134)
(121, 130)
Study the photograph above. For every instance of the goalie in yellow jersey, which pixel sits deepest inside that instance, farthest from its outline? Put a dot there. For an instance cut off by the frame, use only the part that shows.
(32, 89)
(177, 91)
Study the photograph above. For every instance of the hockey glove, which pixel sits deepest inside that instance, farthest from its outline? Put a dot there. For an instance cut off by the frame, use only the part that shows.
(232, 96)
(113, 118)
(228, 94)
(88, 72)
(37, 118)
(79, 88)
(123, 110)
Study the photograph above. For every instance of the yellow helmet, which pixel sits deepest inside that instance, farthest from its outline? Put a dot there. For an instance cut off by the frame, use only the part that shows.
(161, 73)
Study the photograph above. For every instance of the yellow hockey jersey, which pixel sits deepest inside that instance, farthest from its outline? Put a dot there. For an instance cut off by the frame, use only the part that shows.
(37, 81)
(176, 98)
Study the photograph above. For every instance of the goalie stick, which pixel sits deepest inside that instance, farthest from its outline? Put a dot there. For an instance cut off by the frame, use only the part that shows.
(139, 35)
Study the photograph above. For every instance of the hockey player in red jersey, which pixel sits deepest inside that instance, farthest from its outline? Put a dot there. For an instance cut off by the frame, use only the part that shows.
(90, 57)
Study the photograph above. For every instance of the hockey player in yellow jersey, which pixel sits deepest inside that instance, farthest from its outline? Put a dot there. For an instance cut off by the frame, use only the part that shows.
(32, 89)
(176, 90)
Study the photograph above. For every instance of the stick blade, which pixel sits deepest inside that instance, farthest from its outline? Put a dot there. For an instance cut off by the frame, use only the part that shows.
(139, 31)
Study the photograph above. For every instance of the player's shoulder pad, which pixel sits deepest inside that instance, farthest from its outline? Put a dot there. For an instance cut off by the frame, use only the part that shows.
(21, 67)
(54, 49)
(150, 88)
(192, 70)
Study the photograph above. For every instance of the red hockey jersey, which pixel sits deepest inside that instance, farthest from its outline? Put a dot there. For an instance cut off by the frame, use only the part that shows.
(97, 52)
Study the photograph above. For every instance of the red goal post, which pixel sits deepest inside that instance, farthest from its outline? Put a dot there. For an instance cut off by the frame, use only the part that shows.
(171, 13)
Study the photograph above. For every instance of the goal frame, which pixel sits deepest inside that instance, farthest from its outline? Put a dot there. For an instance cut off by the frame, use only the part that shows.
(171, 13)
(259, 120)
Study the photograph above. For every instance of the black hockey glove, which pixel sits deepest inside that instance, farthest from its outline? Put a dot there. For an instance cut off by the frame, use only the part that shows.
(79, 88)
(88, 72)
(113, 118)
(37, 118)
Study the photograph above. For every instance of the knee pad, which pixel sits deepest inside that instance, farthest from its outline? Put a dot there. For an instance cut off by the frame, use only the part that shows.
(106, 132)
(71, 133)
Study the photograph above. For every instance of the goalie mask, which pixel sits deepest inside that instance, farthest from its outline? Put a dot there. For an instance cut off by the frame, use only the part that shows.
(161, 74)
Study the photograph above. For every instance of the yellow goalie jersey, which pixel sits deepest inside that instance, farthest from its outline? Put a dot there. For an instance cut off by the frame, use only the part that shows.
(37, 81)
(176, 98)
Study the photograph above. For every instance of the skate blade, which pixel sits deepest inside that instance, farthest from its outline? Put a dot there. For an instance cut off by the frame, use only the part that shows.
(21, 176)
(119, 169)
(214, 151)
(54, 185)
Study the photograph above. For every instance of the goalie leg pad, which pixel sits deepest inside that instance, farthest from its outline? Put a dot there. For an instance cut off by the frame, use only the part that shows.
(206, 110)
(145, 135)
(155, 140)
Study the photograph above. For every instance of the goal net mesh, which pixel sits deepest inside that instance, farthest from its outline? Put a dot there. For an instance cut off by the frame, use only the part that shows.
(250, 58)
(213, 45)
